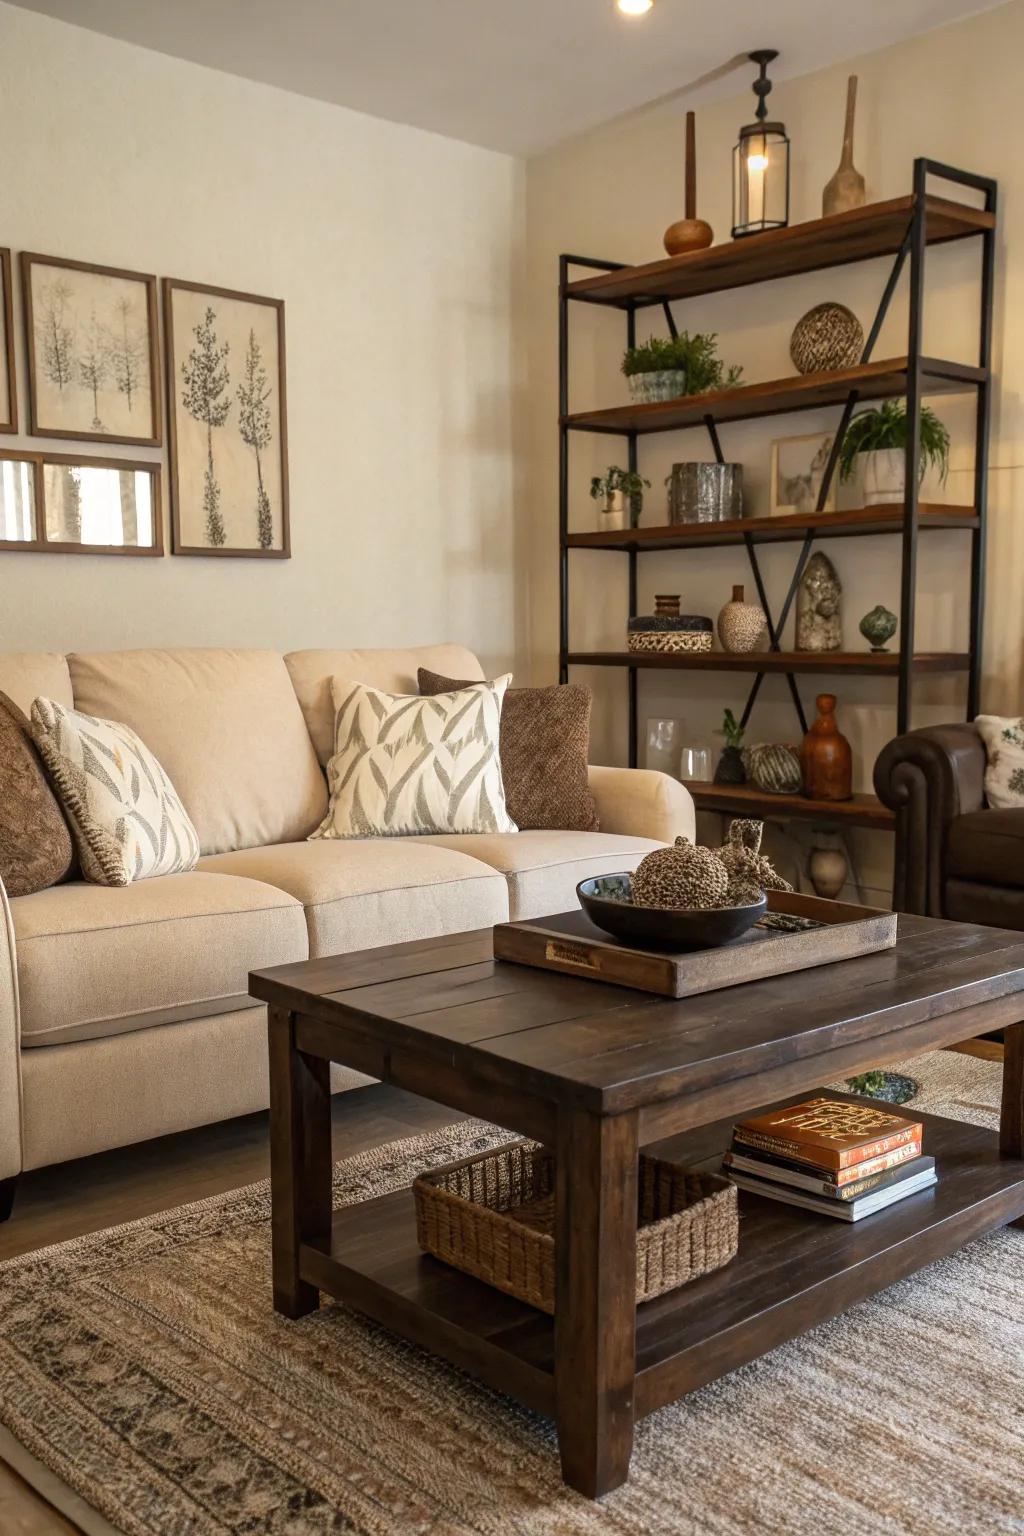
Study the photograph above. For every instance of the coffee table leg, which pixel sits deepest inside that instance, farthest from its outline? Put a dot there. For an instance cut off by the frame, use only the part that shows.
(595, 1298)
(1011, 1119)
(300, 1161)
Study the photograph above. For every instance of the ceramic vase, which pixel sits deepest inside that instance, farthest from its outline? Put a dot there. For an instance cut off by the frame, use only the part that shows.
(730, 768)
(613, 516)
(825, 755)
(878, 627)
(659, 384)
(827, 868)
(846, 188)
(742, 626)
(689, 233)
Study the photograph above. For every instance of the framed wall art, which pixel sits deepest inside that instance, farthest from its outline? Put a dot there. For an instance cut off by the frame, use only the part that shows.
(58, 503)
(93, 351)
(798, 468)
(8, 382)
(228, 421)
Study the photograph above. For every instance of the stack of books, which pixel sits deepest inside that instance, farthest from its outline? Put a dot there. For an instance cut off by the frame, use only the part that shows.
(844, 1160)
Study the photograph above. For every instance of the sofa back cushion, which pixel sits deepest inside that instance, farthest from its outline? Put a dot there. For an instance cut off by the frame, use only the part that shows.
(228, 730)
(25, 675)
(390, 671)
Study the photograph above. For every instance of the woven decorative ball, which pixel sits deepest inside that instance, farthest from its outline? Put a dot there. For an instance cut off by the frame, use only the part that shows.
(774, 768)
(828, 337)
(681, 878)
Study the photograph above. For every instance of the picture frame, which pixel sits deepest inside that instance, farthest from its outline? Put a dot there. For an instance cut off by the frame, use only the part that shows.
(227, 421)
(8, 376)
(93, 343)
(797, 468)
(42, 498)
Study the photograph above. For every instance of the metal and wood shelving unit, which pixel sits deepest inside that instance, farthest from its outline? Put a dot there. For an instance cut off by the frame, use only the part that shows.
(902, 228)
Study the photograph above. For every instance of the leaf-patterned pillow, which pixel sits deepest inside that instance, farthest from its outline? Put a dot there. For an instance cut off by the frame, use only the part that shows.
(124, 811)
(404, 764)
(1004, 772)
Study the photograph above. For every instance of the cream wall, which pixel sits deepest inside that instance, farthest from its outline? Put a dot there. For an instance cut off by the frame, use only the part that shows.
(948, 95)
(394, 250)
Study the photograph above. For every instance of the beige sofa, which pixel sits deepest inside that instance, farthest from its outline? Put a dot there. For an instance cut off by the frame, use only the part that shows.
(124, 1014)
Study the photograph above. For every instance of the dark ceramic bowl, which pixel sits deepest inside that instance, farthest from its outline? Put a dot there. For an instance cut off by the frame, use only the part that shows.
(608, 902)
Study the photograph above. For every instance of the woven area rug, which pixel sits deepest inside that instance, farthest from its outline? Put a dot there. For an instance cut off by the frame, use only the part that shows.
(144, 1368)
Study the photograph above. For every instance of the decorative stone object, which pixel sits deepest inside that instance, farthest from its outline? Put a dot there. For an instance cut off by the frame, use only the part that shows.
(826, 756)
(666, 605)
(742, 626)
(878, 627)
(681, 877)
(846, 188)
(670, 634)
(828, 869)
(827, 338)
(774, 768)
(819, 625)
(750, 872)
(702, 492)
(689, 233)
(659, 384)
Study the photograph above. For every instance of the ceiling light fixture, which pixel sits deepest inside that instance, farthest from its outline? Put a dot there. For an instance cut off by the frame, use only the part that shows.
(760, 161)
(634, 7)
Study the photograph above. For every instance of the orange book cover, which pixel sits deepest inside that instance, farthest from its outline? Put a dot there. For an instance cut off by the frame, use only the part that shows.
(828, 1133)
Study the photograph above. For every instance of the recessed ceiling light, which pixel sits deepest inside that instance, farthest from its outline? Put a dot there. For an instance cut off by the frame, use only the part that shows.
(634, 7)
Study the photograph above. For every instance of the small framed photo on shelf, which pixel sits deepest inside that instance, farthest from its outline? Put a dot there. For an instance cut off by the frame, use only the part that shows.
(72, 504)
(798, 468)
(93, 351)
(8, 382)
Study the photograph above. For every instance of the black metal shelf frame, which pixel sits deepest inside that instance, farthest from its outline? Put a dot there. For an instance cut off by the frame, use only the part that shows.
(912, 250)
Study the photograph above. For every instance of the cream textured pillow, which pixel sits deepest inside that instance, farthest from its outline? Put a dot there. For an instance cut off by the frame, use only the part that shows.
(404, 764)
(1004, 773)
(123, 809)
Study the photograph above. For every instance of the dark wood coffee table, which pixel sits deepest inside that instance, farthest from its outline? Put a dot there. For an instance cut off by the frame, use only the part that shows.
(597, 1072)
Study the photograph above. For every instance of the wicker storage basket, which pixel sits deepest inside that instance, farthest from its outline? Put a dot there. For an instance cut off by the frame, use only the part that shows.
(493, 1217)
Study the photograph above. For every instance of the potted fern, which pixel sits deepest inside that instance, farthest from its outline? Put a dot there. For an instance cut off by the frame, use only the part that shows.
(666, 368)
(875, 447)
(622, 492)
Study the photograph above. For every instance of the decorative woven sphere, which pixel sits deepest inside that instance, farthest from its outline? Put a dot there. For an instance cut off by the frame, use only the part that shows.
(681, 878)
(775, 769)
(828, 337)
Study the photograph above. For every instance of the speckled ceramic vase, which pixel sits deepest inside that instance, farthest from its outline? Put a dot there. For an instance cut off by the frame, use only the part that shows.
(742, 626)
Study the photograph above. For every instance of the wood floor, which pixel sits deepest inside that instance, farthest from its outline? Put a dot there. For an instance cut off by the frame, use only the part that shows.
(74, 1198)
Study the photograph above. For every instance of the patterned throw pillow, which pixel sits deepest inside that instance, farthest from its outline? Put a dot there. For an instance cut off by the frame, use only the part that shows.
(1004, 748)
(404, 765)
(125, 813)
(545, 749)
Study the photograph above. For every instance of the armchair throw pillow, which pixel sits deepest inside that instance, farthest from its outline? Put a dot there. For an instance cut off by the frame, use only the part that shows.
(545, 748)
(124, 811)
(404, 764)
(1004, 751)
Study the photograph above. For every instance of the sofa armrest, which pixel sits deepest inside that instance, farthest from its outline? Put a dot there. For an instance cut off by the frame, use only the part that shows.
(639, 802)
(10, 1062)
(928, 778)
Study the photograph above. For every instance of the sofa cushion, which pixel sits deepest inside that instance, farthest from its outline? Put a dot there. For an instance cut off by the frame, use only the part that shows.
(988, 846)
(974, 901)
(226, 726)
(543, 869)
(391, 671)
(35, 844)
(24, 675)
(379, 891)
(98, 960)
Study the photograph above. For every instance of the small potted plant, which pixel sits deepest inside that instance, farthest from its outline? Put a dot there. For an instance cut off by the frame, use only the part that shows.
(875, 446)
(666, 368)
(730, 768)
(622, 492)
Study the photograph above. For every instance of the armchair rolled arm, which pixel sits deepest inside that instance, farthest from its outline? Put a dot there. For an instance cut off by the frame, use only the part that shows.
(640, 802)
(10, 1064)
(928, 777)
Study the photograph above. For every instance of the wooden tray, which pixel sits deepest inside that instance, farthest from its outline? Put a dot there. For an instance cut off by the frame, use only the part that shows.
(570, 943)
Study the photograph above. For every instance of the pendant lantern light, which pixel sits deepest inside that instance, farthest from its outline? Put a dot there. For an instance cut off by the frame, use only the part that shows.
(760, 164)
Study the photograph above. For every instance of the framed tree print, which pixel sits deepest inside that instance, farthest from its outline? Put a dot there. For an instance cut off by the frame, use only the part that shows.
(93, 351)
(8, 383)
(228, 422)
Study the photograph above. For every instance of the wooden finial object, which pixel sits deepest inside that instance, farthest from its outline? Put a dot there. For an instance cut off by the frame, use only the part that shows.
(690, 233)
(846, 188)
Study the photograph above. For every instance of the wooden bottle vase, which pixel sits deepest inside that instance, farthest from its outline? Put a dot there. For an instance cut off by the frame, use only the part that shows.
(825, 755)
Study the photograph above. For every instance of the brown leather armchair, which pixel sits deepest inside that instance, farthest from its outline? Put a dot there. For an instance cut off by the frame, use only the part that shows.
(954, 857)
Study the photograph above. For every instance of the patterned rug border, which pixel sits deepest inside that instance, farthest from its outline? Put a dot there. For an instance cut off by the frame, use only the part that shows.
(58, 1494)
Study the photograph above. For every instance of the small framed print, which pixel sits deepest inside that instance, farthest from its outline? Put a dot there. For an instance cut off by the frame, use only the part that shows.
(798, 469)
(72, 504)
(93, 351)
(228, 421)
(8, 381)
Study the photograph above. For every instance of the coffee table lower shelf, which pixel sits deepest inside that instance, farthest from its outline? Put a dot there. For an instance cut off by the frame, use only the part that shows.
(794, 1270)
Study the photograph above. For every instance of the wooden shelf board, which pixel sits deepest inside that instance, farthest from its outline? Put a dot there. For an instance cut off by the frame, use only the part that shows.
(868, 663)
(856, 522)
(860, 234)
(793, 1270)
(776, 397)
(745, 800)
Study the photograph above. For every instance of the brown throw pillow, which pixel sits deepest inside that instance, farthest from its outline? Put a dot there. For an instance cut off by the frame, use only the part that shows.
(35, 844)
(544, 745)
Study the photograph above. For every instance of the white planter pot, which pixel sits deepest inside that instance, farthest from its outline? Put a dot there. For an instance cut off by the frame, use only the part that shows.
(883, 475)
